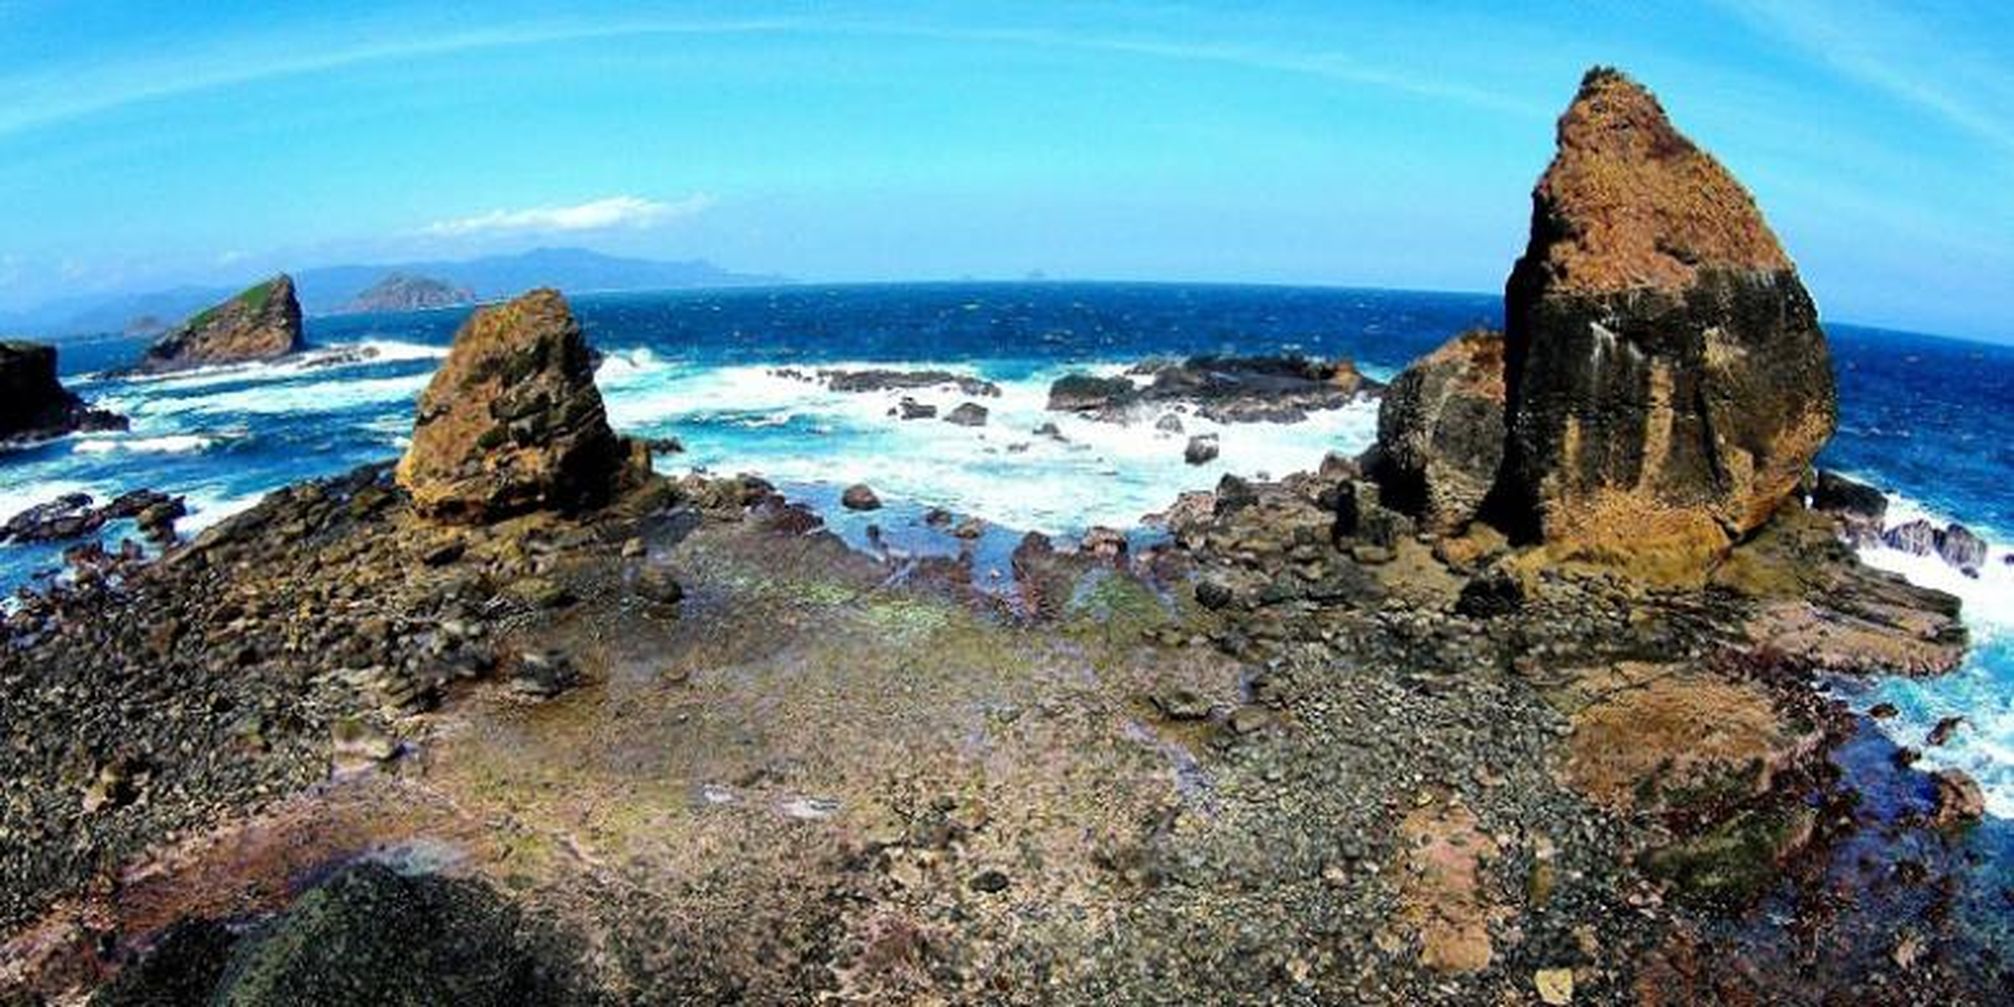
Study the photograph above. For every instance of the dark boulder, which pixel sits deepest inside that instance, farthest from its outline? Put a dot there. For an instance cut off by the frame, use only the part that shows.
(1962, 548)
(860, 496)
(1441, 432)
(1202, 449)
(1859, 507)
(968, 414)
(1082, 393)
(34, 404)
(1667, 379)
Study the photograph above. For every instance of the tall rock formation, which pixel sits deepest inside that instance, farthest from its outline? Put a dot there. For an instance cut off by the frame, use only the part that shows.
(1668, 383)
(1441, 432)
(34, 404)
(512, 422)
(261, 323)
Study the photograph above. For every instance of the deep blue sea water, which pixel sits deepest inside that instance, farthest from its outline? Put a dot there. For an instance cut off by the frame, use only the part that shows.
(1929, 420)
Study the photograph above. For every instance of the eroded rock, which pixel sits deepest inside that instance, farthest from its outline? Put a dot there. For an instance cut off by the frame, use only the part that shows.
(261, 323)
(512, 421)
(1668, 382)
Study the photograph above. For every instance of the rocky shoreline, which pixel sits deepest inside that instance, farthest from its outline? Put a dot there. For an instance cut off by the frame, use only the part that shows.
(521, 714)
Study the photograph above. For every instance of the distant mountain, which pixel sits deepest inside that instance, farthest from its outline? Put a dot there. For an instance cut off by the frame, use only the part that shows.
(330, 289)
(406, 292)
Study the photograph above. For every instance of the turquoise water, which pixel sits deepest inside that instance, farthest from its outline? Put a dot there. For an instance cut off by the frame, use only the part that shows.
(1928, 420)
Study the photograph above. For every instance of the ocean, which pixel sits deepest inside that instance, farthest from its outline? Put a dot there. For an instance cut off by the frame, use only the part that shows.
(1928, 420)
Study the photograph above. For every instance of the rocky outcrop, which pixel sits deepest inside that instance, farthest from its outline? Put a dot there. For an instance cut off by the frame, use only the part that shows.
(1956, 544)
(1441, 432)
(34, 404)
(261, 323)
(1668, 382)
(404, 292)
(512, 422)
(1223, 389)
(1859, 508)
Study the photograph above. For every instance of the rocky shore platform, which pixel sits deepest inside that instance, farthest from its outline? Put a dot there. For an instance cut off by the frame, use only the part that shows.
(519, 720)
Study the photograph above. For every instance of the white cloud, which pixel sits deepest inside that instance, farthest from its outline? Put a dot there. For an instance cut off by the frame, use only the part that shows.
(611, 213)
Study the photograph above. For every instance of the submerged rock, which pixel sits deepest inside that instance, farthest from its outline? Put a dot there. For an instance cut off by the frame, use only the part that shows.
(967, 414)
(1668, 382)
(512, 421)
(1441, 432)
(34, 404)
(260, 323)
(860, 496)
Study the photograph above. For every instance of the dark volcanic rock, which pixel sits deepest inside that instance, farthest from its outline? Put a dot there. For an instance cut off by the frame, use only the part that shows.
(1961, 548)
(1441, 432)
(374, 936)
(1668, 380)
(73, 515)
(512, 421)
(1082, 393)
(860, 496)
(1202, 448)
(967, 414)
(1223, 389)
(261, 323)
(34, 404)
(1859, 507)
(1954, 543)
(882, 380)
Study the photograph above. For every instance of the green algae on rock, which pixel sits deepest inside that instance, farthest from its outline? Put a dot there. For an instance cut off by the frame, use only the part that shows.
(260, 323)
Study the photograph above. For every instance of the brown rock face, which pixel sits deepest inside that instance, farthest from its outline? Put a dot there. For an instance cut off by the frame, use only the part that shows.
(1441, 432)
(512, 422)
(1668, 383)
(34, 404)
(261, 323)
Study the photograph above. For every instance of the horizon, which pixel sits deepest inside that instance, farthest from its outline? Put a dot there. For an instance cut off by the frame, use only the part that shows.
(884, 143)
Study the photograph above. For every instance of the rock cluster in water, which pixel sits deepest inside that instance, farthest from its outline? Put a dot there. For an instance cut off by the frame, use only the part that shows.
(512, 422)
(33, 402)
(1666, 384)
(261, 323)
(1223, 389)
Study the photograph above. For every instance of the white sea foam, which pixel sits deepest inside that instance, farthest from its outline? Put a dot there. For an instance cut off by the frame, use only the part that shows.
(335, 394)
(1100, 473)
(167, 444)
(1982, 690)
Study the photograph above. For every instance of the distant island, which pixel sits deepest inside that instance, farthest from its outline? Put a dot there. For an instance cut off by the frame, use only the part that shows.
(406, 292)
(326, 290)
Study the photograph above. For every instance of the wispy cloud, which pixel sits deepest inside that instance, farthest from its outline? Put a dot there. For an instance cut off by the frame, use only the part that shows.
(1907, 53)
(611, 213)
(58, 93)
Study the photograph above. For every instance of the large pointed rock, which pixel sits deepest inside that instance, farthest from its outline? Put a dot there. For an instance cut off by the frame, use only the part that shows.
(1668, 383)
(512, 421)
(262, 322)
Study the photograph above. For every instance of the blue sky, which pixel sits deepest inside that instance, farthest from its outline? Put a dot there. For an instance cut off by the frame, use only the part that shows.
(146, 145)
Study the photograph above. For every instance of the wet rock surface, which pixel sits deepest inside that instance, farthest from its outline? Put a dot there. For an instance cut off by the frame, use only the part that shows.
(1222, 389)
(262, 323)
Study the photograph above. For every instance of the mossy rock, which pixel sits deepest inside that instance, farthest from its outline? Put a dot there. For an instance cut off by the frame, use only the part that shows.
(1733, 864)
(373, 936)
